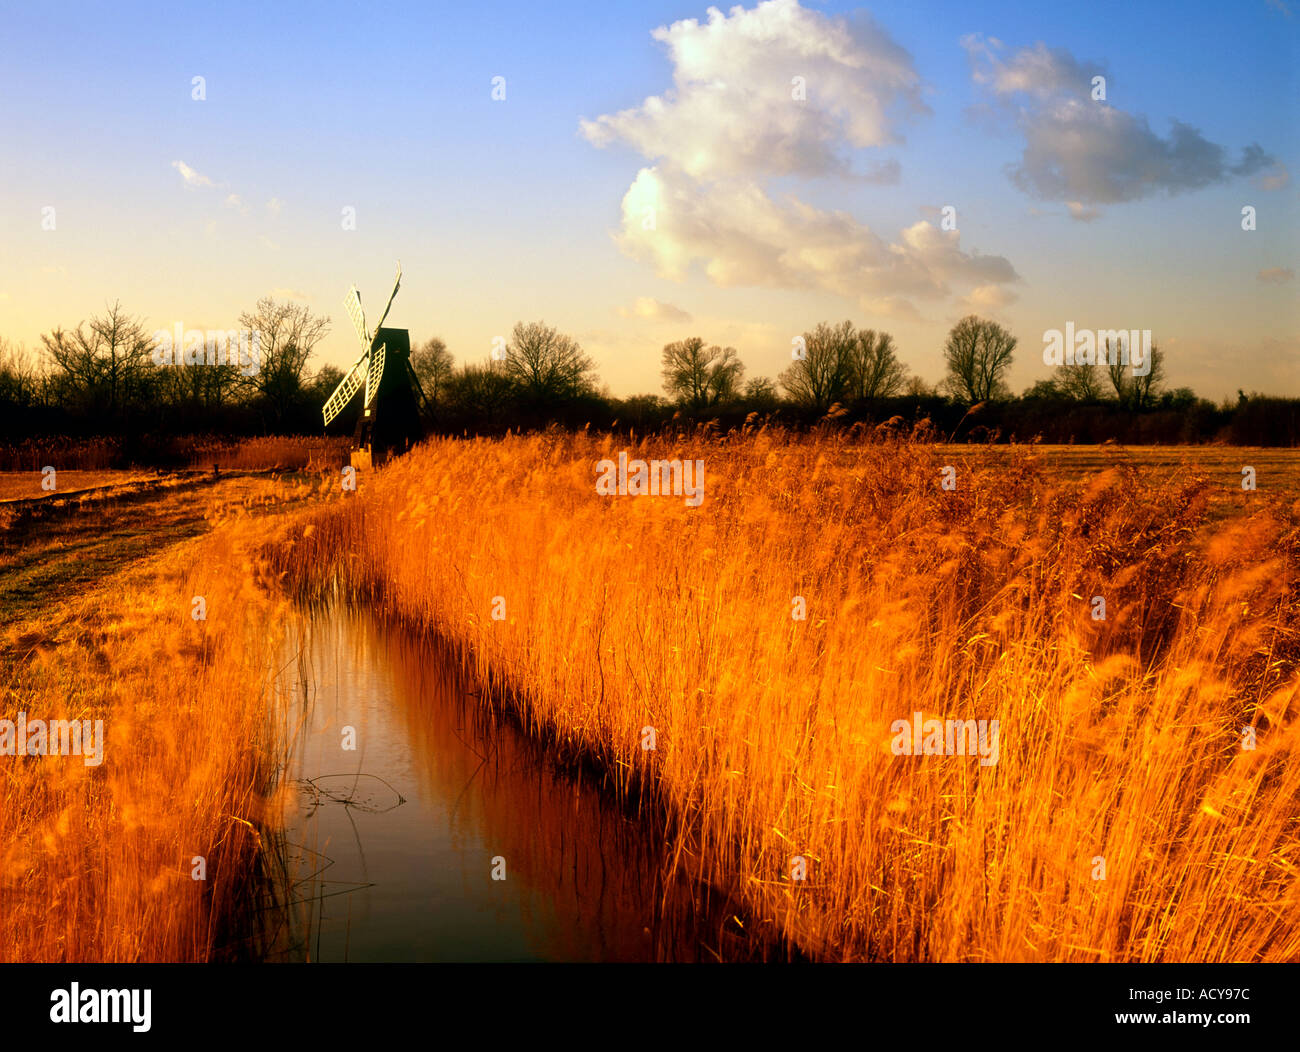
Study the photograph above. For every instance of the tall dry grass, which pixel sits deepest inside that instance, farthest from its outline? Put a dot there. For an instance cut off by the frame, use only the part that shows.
(62, 452)
(100, 453)
(286, 452)
(1119, 739)
(96, 862)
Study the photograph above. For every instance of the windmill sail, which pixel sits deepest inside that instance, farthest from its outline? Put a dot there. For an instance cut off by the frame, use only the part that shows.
(376, 372)
(390, 421)
(347, 388)
(358, 316)
(397, 284)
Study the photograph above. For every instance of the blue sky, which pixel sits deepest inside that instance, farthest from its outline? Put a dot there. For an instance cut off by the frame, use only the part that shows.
(502, 211)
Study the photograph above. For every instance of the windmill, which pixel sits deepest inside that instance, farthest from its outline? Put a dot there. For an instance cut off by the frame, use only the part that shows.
(389, 421)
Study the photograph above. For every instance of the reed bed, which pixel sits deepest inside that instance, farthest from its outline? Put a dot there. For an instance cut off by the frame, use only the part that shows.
(62, 453)
(97, 863)
(285, 452)
(1120, 739)
(101, 453)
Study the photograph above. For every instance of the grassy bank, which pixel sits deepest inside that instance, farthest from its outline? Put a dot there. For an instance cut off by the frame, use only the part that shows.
(97, 862)
(1119, 739)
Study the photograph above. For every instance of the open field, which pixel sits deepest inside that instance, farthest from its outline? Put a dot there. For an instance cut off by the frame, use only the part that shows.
(26, 485)
(1277, 470)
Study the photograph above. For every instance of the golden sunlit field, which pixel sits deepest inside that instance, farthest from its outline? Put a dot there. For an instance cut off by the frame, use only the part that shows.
(1120, 739)
(26, 485)
(1277, 470)
(96, 860)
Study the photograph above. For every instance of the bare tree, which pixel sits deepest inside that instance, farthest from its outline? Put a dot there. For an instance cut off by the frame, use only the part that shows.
(1042, 390)
(1132, 391)
(1148, 387)
(480, 390)
(1081, 382)
(545, 366)
(761, 393)
(323, 383)
(876, 370)
(288, 333)
(918, 388)
(106, 361)
(821, 377)
(978, 353)
(699, 376)
(205, 386)
(20, 377)
(433, 367)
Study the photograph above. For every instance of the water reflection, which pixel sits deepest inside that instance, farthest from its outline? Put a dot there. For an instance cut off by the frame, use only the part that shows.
(394, 843)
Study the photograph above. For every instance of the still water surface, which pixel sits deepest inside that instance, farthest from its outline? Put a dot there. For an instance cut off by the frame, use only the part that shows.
(392, 846)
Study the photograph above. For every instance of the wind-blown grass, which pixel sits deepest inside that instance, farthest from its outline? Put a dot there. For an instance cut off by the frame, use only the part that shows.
(1119, 739)
(97, 862)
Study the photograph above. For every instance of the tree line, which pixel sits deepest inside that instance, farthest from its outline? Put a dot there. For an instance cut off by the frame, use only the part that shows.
(101, 377)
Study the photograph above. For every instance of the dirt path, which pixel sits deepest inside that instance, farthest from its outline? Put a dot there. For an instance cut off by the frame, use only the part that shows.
(50, 550)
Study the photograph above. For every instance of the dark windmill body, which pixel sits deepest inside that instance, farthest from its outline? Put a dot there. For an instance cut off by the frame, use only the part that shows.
(389, 421)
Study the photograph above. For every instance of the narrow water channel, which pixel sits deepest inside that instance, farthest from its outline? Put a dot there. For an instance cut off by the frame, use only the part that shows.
(391, 848)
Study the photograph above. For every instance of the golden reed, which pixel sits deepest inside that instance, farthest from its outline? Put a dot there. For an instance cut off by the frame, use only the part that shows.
(1122, 741)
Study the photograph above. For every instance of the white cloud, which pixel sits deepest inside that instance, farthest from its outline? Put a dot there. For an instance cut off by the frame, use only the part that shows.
(1081, 212)
(729, 123)
(232, 200)
(742, 237)
(654, 310)
(1087, 151)
(289, 294)
(895, 307)
(988, 299)
(191, 177)
(731, 111)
